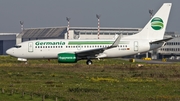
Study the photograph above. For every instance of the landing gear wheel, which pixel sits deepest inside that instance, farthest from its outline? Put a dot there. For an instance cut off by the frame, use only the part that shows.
(89, 62)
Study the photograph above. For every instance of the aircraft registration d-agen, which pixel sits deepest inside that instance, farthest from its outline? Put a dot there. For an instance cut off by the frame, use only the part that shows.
(71, 51)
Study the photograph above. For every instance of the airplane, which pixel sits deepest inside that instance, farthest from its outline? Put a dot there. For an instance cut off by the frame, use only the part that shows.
(71, 51)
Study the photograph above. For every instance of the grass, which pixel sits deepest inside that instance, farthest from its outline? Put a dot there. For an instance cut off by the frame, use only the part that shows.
(105, 80)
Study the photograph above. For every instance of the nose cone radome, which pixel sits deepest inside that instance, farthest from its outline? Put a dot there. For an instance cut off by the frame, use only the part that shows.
(9, 51)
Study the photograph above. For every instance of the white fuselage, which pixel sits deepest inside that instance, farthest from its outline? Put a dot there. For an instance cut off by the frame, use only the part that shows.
(51, 48)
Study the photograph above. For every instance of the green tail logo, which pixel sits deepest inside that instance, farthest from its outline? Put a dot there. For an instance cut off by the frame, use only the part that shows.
(157, 23)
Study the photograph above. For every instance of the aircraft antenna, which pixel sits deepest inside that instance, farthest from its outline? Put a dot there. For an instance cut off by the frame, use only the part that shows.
(68, 20)
(98, 17)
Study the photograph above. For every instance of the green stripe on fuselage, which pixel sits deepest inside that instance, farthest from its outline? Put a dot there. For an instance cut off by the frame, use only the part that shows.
(94, 42)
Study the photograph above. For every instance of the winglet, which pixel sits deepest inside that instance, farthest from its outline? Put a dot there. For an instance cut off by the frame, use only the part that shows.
(116, 42)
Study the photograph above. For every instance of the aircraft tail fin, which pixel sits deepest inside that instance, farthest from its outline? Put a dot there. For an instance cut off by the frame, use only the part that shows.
(155, 28)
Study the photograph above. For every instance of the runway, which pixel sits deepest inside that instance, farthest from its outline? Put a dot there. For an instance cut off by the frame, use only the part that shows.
(153, 61)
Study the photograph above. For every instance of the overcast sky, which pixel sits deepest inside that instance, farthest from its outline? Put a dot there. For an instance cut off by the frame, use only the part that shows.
(53, 13)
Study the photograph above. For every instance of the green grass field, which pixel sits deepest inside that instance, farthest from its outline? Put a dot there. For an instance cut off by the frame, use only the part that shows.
(105, 80)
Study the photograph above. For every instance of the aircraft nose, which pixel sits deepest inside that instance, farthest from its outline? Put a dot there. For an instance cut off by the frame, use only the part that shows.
(9, 51)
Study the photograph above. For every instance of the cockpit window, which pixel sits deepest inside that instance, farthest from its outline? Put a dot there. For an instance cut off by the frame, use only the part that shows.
(17, 46)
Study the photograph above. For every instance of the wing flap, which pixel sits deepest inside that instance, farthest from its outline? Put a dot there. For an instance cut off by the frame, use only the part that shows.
(90, 53)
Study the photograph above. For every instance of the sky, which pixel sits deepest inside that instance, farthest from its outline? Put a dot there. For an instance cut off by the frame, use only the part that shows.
(53, 13)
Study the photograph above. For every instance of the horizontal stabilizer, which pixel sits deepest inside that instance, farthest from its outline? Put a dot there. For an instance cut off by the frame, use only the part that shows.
(163, 40)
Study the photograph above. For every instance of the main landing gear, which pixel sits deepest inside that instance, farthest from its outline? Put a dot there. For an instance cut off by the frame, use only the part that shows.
(89, 62)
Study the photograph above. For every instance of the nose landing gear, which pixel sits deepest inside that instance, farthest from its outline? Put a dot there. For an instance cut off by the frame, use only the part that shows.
(89, 62)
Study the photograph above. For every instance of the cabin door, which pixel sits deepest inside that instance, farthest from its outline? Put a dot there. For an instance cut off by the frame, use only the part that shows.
(135, 45)
(30, 47)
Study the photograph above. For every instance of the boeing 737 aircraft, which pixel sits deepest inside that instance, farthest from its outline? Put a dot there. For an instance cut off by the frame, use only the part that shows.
(70, 51)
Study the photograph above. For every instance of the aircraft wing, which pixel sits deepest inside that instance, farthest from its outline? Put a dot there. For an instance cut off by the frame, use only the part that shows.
(163, 40)
(92, 53)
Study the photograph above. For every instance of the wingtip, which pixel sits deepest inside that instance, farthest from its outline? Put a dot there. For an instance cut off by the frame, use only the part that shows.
(169, 4)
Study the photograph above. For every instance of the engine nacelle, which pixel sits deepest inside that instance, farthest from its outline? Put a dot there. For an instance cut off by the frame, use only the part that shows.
(67, 58)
